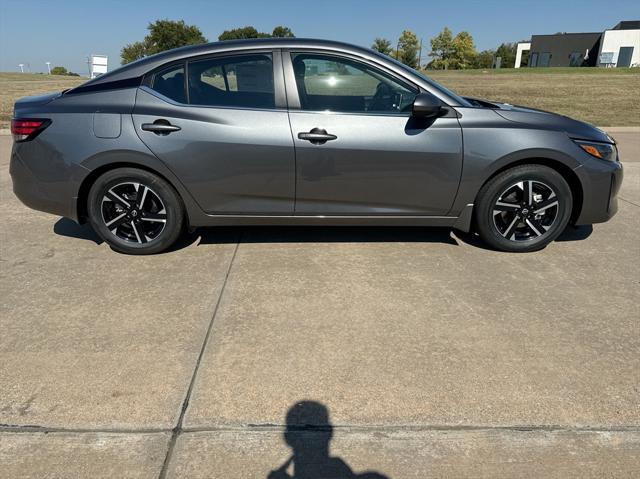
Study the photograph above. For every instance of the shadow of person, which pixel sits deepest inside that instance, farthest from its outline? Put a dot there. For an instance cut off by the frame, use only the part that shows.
(308, 433)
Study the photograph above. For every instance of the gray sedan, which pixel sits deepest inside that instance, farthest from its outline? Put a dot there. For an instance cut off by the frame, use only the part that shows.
(292, 131)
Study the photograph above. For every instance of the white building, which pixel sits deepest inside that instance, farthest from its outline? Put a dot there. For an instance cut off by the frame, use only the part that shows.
(620, 46)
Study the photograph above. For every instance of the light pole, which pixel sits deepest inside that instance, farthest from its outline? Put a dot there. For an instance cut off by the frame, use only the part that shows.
(48, 67)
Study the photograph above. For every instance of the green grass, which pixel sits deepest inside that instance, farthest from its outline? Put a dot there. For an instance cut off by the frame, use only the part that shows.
(603, 96)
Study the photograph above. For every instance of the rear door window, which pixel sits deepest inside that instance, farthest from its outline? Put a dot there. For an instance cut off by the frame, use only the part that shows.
(232, 81)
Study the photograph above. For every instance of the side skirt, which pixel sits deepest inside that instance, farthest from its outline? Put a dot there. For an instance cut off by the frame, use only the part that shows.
(462, 222)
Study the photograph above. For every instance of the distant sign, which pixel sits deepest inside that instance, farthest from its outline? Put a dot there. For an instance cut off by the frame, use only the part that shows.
(607, 57)
(97, 65)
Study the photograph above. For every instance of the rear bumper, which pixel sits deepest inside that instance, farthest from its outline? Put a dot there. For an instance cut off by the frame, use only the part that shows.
(601, 182)
(43, 185)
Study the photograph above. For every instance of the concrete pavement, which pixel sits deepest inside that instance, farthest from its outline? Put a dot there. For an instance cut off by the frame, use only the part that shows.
(433, 356)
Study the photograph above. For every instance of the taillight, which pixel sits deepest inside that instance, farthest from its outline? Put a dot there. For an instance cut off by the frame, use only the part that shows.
(24, 129)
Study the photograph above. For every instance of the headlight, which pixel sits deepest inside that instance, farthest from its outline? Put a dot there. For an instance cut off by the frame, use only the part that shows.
(604, 151)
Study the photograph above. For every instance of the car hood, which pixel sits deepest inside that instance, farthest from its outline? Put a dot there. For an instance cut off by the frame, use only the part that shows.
(544, 119)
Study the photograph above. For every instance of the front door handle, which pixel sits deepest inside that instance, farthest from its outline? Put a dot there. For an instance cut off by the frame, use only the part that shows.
(160, 127)
(317, 136)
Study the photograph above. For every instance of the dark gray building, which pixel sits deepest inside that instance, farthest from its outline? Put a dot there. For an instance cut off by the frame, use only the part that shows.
(565, 50)
(617, 47)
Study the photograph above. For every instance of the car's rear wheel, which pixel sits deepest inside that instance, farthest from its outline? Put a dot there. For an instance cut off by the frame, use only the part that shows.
(135, 211)
(524, 208)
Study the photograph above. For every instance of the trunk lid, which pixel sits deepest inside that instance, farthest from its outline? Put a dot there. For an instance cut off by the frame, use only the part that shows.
(29, 104)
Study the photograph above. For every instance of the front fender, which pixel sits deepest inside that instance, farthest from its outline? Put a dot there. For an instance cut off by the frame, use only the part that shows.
(491, 145)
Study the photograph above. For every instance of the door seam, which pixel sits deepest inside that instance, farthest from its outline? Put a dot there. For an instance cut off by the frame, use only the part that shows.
(293, 141)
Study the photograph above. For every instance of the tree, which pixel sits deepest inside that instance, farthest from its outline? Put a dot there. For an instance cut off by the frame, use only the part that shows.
(441, 50)
(59, 71)
(241, 34)
(133, 51)
(282, 32)
(507, 51)
(483, 59)
(408, 49)
(463, 51)
(168, 34)
(163, 35)
(382, 45)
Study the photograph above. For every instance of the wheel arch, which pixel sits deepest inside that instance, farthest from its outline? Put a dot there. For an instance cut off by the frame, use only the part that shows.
(570, 176)
(95, 173)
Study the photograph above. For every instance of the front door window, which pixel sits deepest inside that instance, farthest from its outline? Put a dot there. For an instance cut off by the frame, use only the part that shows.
(337, 84)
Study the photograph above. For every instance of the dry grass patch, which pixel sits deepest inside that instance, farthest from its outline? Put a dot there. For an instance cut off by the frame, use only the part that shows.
(604, 97)
(17, 85)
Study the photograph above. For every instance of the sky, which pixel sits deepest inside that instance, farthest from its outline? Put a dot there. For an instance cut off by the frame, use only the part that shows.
(65, 32)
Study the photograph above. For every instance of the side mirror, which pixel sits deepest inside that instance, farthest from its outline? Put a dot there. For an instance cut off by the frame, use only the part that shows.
(426, 106)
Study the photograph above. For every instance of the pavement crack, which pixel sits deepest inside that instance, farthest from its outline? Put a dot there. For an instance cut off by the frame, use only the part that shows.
(26, 428)
(417, 428)
(627, 201)
(347, 428)
(185, 404)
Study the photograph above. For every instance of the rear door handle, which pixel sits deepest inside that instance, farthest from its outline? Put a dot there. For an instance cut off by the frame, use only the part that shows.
(160, 127)
(317, 136)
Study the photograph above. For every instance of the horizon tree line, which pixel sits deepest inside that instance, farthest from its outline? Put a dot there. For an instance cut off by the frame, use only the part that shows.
(448, 51)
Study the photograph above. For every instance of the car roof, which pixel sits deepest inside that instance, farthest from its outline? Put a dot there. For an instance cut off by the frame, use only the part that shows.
(140, 67)
(130, 74)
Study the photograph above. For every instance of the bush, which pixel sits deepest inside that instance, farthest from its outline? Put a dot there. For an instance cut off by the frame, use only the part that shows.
(59, 71)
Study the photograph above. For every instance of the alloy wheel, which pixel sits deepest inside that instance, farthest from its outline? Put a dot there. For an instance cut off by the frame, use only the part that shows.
(133, 212)
(525, 210)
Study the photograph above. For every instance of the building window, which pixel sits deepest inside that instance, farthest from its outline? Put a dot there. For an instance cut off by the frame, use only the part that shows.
(545, 59)
(533, 60)
(625, 54)
(575, 59)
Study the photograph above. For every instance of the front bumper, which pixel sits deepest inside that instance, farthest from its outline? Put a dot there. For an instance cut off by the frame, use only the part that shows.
(601, 182)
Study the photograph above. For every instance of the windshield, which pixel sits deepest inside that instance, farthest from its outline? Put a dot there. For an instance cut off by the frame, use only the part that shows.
(461, 101)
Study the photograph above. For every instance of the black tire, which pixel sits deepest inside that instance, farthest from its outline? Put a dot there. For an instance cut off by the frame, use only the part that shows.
(513, 224)
(113, 200)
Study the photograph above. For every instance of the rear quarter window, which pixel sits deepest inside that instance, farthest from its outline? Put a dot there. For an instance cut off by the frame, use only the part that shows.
(170, 82)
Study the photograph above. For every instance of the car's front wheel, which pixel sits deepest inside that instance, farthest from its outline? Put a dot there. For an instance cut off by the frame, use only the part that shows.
(135, 211)
(524, 208)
